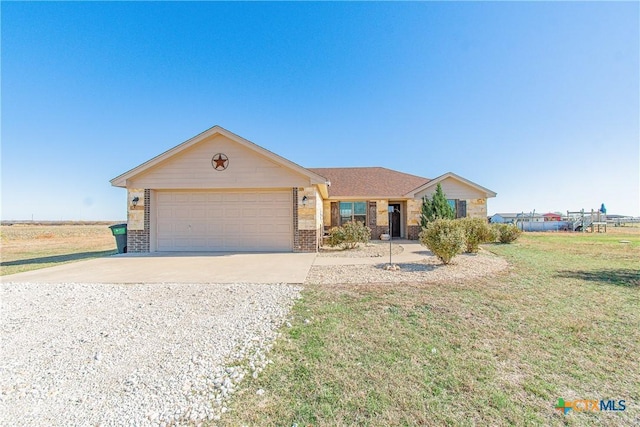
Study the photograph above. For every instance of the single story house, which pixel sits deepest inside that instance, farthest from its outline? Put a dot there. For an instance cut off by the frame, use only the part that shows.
(220, 192)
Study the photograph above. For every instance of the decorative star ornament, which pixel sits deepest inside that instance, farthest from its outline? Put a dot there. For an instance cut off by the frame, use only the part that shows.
(220, 162)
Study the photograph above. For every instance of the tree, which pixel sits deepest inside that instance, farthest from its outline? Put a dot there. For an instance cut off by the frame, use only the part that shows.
(436, 208)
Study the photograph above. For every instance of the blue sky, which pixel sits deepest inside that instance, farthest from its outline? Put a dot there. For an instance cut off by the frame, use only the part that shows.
(539, 102)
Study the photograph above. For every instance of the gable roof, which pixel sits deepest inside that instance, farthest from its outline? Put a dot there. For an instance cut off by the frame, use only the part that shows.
(369, 182)
(434, 182)
(121, 180)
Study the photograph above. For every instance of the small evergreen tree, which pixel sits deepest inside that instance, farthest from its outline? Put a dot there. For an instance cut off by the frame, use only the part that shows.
(436, 208)
(426, 214)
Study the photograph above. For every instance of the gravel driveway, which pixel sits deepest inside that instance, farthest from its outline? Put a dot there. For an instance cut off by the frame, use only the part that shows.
(146, 354)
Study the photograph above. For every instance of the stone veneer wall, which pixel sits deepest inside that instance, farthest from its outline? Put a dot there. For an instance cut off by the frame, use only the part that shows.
(303, 240)
(477, 208)
(414, 212)
(139, 240)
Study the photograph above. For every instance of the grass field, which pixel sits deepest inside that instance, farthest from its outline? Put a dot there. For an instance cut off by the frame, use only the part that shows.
(30, 247)
(563, 322)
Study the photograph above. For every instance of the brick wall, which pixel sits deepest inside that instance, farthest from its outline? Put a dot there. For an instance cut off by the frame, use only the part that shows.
(307, 241)
(139, 240)
(414, 231)
(377, 230)
(303, 240)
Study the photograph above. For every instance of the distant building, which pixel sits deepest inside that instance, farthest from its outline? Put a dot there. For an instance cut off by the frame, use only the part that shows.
(511, 218)
(552, 216)
(529, 217)
(496, 219)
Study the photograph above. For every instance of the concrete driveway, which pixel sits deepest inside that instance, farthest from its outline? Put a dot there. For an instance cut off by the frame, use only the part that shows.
(177, 268)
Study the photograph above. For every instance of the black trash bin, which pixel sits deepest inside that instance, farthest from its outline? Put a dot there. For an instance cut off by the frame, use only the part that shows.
(119, 231)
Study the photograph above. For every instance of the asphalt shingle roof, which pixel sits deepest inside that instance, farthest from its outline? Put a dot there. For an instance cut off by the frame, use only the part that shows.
(369, 181)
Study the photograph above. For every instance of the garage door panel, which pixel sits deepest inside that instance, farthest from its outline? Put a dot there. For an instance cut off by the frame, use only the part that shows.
(234, 215)
(164, 197)
(268, 214)
(216, 212)
(199, 213)
(214, 229)
(281, 213)
(265, 228)
(249, 228)
(283, 198)
(281, 228)
(199, 198)
(181, 197)
(182, 228)
(199, 243)
(199, 229)
(181, 214)
(231, 197)
(249, 212)
(210, 221)
(180, 242)
(233, 230)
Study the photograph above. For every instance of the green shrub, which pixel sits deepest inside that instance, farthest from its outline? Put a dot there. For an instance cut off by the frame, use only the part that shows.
(476, 232)
(506, 233)
(349, 235)
(444, 237)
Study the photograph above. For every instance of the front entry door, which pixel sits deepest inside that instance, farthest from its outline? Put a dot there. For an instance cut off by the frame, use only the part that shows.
(395, 220)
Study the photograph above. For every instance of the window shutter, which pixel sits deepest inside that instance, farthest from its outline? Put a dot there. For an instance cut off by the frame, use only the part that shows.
(372, 214)
(461, 208)
(335, 214)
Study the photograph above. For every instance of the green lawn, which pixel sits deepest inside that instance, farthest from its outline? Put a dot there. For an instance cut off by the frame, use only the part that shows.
(563, 322)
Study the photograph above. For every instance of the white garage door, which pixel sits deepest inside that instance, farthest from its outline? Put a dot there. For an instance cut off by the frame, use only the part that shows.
(220, 221)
